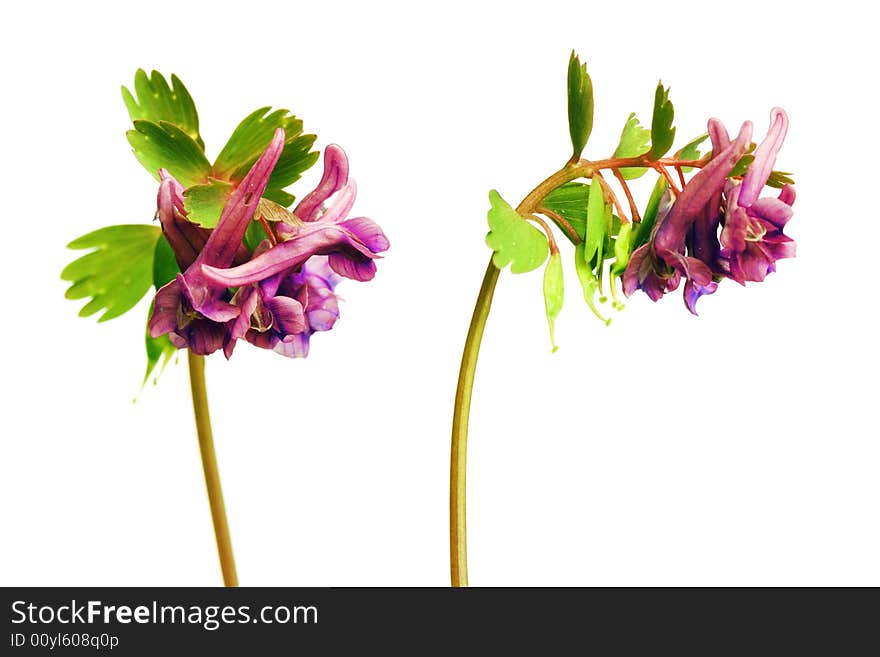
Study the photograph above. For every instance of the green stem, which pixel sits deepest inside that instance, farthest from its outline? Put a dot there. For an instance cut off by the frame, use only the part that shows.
(209, 464)
(458, 462)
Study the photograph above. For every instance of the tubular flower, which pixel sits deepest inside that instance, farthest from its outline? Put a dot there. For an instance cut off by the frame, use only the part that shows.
(718, 227)
(286, 291)
(283, 296)
(313, 306)
(658, 266)
(752, 239)
(191, 309)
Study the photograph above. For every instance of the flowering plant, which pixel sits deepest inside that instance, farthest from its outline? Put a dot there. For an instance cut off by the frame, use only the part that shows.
(700, 231)
(229, 259)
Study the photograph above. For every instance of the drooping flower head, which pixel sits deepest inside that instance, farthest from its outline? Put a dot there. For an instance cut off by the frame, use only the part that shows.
(718, 227)
(752, 239)
(271, 306)
(658, 266)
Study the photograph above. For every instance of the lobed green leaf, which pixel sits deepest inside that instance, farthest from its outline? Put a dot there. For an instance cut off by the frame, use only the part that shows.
(250, 138)
(164, 145)
(513, 239)
(570, 201)
(635, 140)
(204, 203)
(157, 102)
(580, 105)
(691, 150)
(117, 273)
(662, 132)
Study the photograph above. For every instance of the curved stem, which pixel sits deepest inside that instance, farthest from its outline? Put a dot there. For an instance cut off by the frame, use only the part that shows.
(458, 462)
(209, 464)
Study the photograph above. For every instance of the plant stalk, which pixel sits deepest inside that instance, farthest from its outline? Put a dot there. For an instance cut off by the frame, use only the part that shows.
(458, 461)
(209, 464)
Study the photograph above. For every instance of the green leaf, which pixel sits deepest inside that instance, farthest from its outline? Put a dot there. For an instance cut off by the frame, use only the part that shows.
(295, 159)
(554, 293)
(280, 197)
(622, 248)
(254, 234)
(570, 201)
(165, 268)
(742, 166)
(635, 140)
(580, 105)
(204, 203)
(643, 232)
(598, 221)
(780, 179)
(157, 102)
(691, 151)
(164, 145)
(662, 132)
(588, 280)
(513, 239)
(117, 273)
(158, 349)
(251, 138)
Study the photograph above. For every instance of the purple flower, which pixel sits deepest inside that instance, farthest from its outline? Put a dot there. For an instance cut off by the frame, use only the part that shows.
(286, 310)
(752, 239)
(186, 238)
(192, 309)
(286, 291)
(684, 234)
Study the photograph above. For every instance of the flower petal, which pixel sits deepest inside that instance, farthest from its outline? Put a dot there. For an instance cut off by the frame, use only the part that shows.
(368, 232)
(296, 346)
(288, 315)
(765, 157)
(313, 239)
(204, 300)
(693, 291)
(186, 238)
(165, 307)
(671, 234)
(771, 209)
(334, 178)
(343, 201)
(226, 238)
(787, 195)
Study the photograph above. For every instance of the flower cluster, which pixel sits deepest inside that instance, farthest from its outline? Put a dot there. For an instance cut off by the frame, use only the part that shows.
(718, 226)
(283, 291)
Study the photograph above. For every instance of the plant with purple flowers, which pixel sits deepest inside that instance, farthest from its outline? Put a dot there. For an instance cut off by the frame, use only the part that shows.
(229, 260)
(702, 230)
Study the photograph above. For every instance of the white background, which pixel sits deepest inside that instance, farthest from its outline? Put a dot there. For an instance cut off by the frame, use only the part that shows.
(738, 448)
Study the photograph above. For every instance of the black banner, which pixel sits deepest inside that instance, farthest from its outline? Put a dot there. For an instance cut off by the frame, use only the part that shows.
(154, 621)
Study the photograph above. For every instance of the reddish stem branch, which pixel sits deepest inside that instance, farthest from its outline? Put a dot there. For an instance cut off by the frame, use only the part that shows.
(562, 222)
(629, 197)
